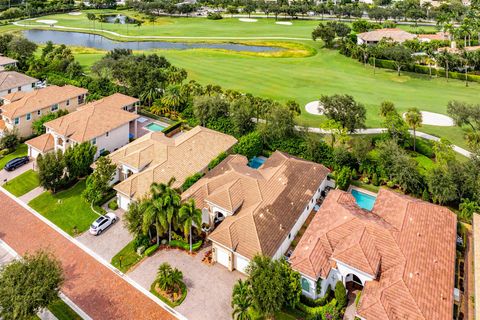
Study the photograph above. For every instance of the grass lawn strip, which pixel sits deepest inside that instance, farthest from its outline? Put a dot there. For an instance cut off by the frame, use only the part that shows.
(126, 258)
(19, 152)
(62, 311)
(23, 183)
(66, 209)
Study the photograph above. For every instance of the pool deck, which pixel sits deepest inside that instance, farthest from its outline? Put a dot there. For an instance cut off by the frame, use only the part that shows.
(141, 126)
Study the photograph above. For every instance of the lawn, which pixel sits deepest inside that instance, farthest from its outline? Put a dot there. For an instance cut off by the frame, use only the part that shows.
(66, 209)
(126, 258)
(21, 151)
(23, 183)
(301, 78)
(62, 311)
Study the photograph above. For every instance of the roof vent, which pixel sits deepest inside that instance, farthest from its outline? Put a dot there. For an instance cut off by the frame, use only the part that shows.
(419, 234)
(410, 275)
(281, 226)
(291, 203)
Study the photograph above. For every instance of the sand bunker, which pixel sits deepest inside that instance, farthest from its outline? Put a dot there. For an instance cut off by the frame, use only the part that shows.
(436, 119)
(284, 23)
(47, 21)
(248, 20)
(74, 13)
(314, 107)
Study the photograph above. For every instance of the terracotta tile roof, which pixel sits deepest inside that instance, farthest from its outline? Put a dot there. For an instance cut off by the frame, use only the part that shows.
(6, 60)
(42, 143)
(13, 79)
(116, 100)
(270, 200)
(32, 101)
(2, 124)
(397, 35)
(162, 158)
(92, 120)
(411, 244)
(435, 36)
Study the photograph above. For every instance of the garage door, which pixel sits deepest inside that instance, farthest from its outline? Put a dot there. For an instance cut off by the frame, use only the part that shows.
(123, 202)
(222, 256)
(241, 263)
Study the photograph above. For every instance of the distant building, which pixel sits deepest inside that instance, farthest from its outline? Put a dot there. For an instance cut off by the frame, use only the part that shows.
(375, 36)
(7, 62)
(12, 81)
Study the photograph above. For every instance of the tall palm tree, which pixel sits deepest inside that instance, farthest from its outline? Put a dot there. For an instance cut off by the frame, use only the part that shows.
(156, 215)
(170, 201)
(413, 117)
(172, 98)
(190, 215)
(241, 300)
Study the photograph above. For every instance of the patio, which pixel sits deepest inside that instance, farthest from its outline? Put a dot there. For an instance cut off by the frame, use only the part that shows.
(209, 286)
(144, 122)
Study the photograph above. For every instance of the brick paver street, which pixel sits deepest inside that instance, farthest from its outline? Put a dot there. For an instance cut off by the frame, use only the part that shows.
(93, 287)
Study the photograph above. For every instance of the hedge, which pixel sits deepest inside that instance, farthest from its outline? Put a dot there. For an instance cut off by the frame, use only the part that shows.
(185, 245)
(320, 302)
(313, 310)
(151, 250)
(217, 160)
(191, 180)
(174, 126)
(389, 64)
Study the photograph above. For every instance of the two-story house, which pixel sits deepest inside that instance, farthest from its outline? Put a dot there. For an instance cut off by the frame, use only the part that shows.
(105, 123)
(21, 109)
(12, 81)
(258, 211)
(6, 62)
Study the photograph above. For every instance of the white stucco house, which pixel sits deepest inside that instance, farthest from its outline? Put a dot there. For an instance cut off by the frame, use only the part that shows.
(257, 211)
(401, 255)
(108, 123)
(12, 81)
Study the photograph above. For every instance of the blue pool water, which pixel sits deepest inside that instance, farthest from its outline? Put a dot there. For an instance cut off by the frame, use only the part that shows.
(364, 200)
(154, 127)
(256, 162)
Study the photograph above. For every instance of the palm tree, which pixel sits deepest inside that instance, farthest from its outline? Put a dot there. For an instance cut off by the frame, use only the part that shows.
(156, 215)
(172, 98)
(92, 17)
(190, 215)
(149, 95)
(413, 117)
(241, 300)
(171, 202)
(168, 278)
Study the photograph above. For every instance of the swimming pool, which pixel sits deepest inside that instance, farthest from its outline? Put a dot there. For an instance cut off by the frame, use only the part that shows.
(256, 162)
(363, 200)
(154, 127)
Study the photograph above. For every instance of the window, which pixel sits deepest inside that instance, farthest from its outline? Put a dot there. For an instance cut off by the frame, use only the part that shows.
(94, 141)
(54, 107)
(39, 112)
(107, 133)
(102, 151)
(19, 88)
(68, 102)
(28, 117)
(81, 99)
(9, 90)
(16, 120)
(33, 85)
(305, 285)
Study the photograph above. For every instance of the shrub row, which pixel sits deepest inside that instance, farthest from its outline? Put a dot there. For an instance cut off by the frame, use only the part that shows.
(320, 302)
(389, 64)
(173, 127)
(311, 311)
(185, 245)
(191, 180)
(151, 250)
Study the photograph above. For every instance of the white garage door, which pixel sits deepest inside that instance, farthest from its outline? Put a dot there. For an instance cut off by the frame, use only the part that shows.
(123, 202)
(241, 263)
(222, 256)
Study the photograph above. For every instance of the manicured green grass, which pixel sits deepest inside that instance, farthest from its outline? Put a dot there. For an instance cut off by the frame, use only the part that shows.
(62, 311)
(424, 163)
(19, 152)
(126, 258)
(23, 183)
(366, 186)
(281, 315)
(66, 209)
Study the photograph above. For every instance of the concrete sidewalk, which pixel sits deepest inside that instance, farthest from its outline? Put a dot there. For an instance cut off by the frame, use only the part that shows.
(29, 196)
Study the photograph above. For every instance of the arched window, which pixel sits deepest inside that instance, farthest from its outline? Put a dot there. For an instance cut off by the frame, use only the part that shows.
(305, 285)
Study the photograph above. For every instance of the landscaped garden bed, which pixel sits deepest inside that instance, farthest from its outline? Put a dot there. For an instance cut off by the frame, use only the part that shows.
(169, 286)
(67, 209)
(23, 183)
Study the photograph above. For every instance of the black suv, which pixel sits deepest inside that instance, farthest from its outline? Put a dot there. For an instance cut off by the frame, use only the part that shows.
(15, 163)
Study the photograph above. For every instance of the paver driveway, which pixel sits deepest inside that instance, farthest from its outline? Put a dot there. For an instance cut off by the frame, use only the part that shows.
(209, 287)
(93, 287)
(110, 242)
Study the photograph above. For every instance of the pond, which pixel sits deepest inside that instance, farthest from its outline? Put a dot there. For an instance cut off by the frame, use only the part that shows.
(102, 43)
(117, 18)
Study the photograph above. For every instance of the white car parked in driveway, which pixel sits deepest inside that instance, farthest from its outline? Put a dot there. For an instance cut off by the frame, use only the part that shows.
(102, 223)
